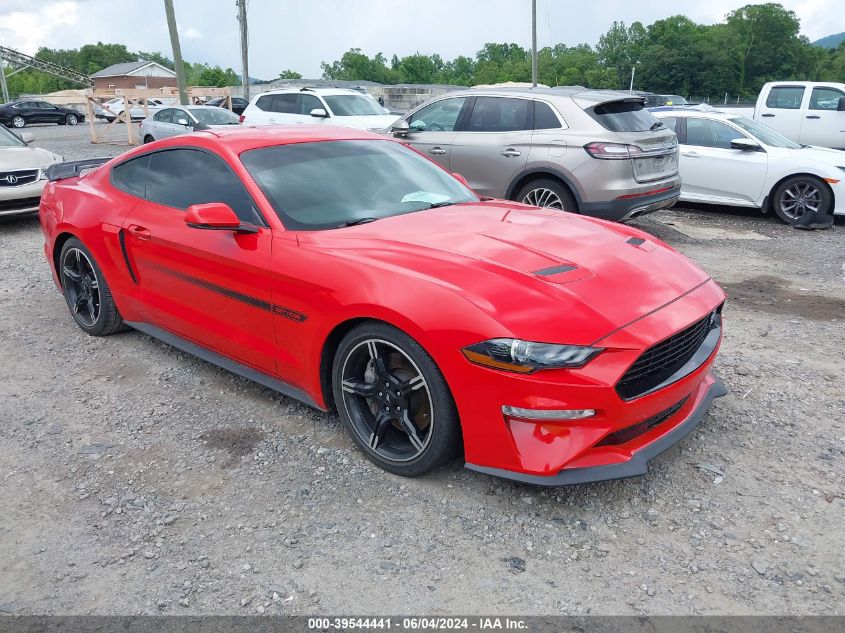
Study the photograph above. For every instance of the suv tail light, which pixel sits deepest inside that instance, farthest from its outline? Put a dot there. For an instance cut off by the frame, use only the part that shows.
(241, 118)
(613, 151)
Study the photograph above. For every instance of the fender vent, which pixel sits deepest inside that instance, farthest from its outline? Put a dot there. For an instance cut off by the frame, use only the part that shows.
(554, 270)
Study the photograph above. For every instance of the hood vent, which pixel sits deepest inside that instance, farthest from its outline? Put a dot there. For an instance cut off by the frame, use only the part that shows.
(554, 270)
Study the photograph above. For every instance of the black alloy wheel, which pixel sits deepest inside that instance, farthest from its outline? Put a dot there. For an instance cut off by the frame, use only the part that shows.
(799, 195)
(86, 292)
(393, 400)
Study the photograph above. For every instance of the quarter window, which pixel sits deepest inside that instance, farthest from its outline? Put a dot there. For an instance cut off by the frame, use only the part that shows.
(707, 133)
(440, 116)
(785, 97)
(498, 114)
(131, 176)
(265, 103)
(181, 177)
(544, 118)
(825, 98)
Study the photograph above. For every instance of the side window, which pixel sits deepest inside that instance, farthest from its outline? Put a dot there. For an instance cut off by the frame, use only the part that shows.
(707, 133)
(286, 104)
(825, 98)
(440, 116)
(785, 97)
(308, 103)
(670, 122)
(544, 118)
(131, 176)
(500, 114)
(164, 116)
(265, 103)
(182, 177)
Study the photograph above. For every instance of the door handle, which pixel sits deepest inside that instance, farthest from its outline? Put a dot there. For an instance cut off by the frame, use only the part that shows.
(140, 232)
(511, 152)
(437, 150)
(767, 114)
(691, 154)
(813, 116)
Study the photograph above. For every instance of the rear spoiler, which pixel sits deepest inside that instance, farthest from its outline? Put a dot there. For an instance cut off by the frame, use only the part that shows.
(73, 168)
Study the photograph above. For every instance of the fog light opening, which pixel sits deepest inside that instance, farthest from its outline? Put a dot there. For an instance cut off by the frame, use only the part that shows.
(547, 414)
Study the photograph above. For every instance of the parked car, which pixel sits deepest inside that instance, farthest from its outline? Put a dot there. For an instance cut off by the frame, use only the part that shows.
(239, 104)
(551, 348)
(729, 159)
(807, 112)
(593, 152)
(330, 106)
(22, 170)
(114, 107)
(183, 119)
(653, 100)
(19, 114)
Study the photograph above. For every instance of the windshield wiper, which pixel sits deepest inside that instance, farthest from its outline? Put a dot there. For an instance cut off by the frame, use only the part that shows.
(437, 205)
(357, 222)
(654, 126)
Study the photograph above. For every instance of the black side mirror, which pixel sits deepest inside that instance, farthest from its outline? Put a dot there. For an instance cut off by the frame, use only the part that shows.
(840, 107)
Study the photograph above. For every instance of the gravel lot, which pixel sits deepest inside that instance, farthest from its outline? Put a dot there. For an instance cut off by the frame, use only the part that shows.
(137, 479)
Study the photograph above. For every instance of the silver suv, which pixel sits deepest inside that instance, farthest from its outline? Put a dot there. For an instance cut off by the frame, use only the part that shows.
(595, 152)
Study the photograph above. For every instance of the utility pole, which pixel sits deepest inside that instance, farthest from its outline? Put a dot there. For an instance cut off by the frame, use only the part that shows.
(534, 43)
(177, 52)
(244, 48)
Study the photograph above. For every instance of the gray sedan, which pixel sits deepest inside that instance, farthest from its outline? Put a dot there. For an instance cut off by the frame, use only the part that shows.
(183, 119)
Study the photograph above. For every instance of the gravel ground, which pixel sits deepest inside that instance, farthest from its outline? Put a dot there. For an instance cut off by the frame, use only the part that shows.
(137, 479)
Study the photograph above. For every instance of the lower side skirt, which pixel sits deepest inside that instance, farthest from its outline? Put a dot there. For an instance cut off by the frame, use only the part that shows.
(226, 363)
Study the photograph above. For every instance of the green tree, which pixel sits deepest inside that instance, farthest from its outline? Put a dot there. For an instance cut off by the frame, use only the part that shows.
(289, 74)
(620, 49)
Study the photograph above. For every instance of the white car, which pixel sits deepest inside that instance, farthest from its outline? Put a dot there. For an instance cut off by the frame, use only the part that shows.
(22, 172)
(183, 119)
(112, 108)
(731, 160)
(330, 106)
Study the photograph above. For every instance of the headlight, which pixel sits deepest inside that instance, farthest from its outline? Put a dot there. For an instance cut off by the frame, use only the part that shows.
(525, 357)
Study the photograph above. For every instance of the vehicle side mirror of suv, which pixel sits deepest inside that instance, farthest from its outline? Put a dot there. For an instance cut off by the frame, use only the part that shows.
(400, 127)
(745, 144)
(215, 216)
(319, 113)
(841, 105)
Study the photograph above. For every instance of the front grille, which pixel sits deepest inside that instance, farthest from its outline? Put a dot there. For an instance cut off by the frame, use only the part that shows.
(659, 362)
(18, 177)
(20, 203)
(629, 433)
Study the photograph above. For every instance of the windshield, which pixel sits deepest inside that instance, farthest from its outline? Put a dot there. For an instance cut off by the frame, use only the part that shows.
(353, 105)
(764, 133)
(9, 139)
(328, 184)
(214, 116)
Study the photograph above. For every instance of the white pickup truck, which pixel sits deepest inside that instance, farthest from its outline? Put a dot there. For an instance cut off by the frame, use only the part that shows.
(808, 112)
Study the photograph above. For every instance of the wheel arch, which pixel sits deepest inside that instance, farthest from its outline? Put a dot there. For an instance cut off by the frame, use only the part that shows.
(543, 172)
(58, 244)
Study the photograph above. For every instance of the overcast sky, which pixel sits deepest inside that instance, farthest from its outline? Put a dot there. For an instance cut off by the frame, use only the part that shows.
(300, 34)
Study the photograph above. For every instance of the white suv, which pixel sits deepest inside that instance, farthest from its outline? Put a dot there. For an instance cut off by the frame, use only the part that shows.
(330, 106)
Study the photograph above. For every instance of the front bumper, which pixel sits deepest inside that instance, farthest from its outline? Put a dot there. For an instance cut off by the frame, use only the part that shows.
(638, 462)
(23, 199)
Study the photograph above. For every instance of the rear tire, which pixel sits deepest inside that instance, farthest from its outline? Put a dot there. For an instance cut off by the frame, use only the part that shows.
(801, 193)
(86, 292)
(546, 192)
(393, 401)
(18, 122)
(71, 119)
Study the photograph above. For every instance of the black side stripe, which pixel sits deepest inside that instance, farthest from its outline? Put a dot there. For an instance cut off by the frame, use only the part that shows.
(554, 270)
(121, 237)
(282, 311)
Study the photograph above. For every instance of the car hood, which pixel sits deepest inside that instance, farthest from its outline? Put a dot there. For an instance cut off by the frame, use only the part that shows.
(530, 269)
(834, 157)
(370, 122)
(25, 158)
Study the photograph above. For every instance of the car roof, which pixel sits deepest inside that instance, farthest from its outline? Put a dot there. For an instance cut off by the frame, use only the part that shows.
(306, 90)
(584, 97)
(688, 111)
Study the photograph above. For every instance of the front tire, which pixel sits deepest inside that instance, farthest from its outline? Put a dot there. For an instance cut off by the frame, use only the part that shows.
(18, 121)
(86, 292)
(545, 192)
(799, 194)
(71, 119)
(393, 401)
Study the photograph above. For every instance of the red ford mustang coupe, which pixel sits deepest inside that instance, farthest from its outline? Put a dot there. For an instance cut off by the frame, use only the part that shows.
(345, 270)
